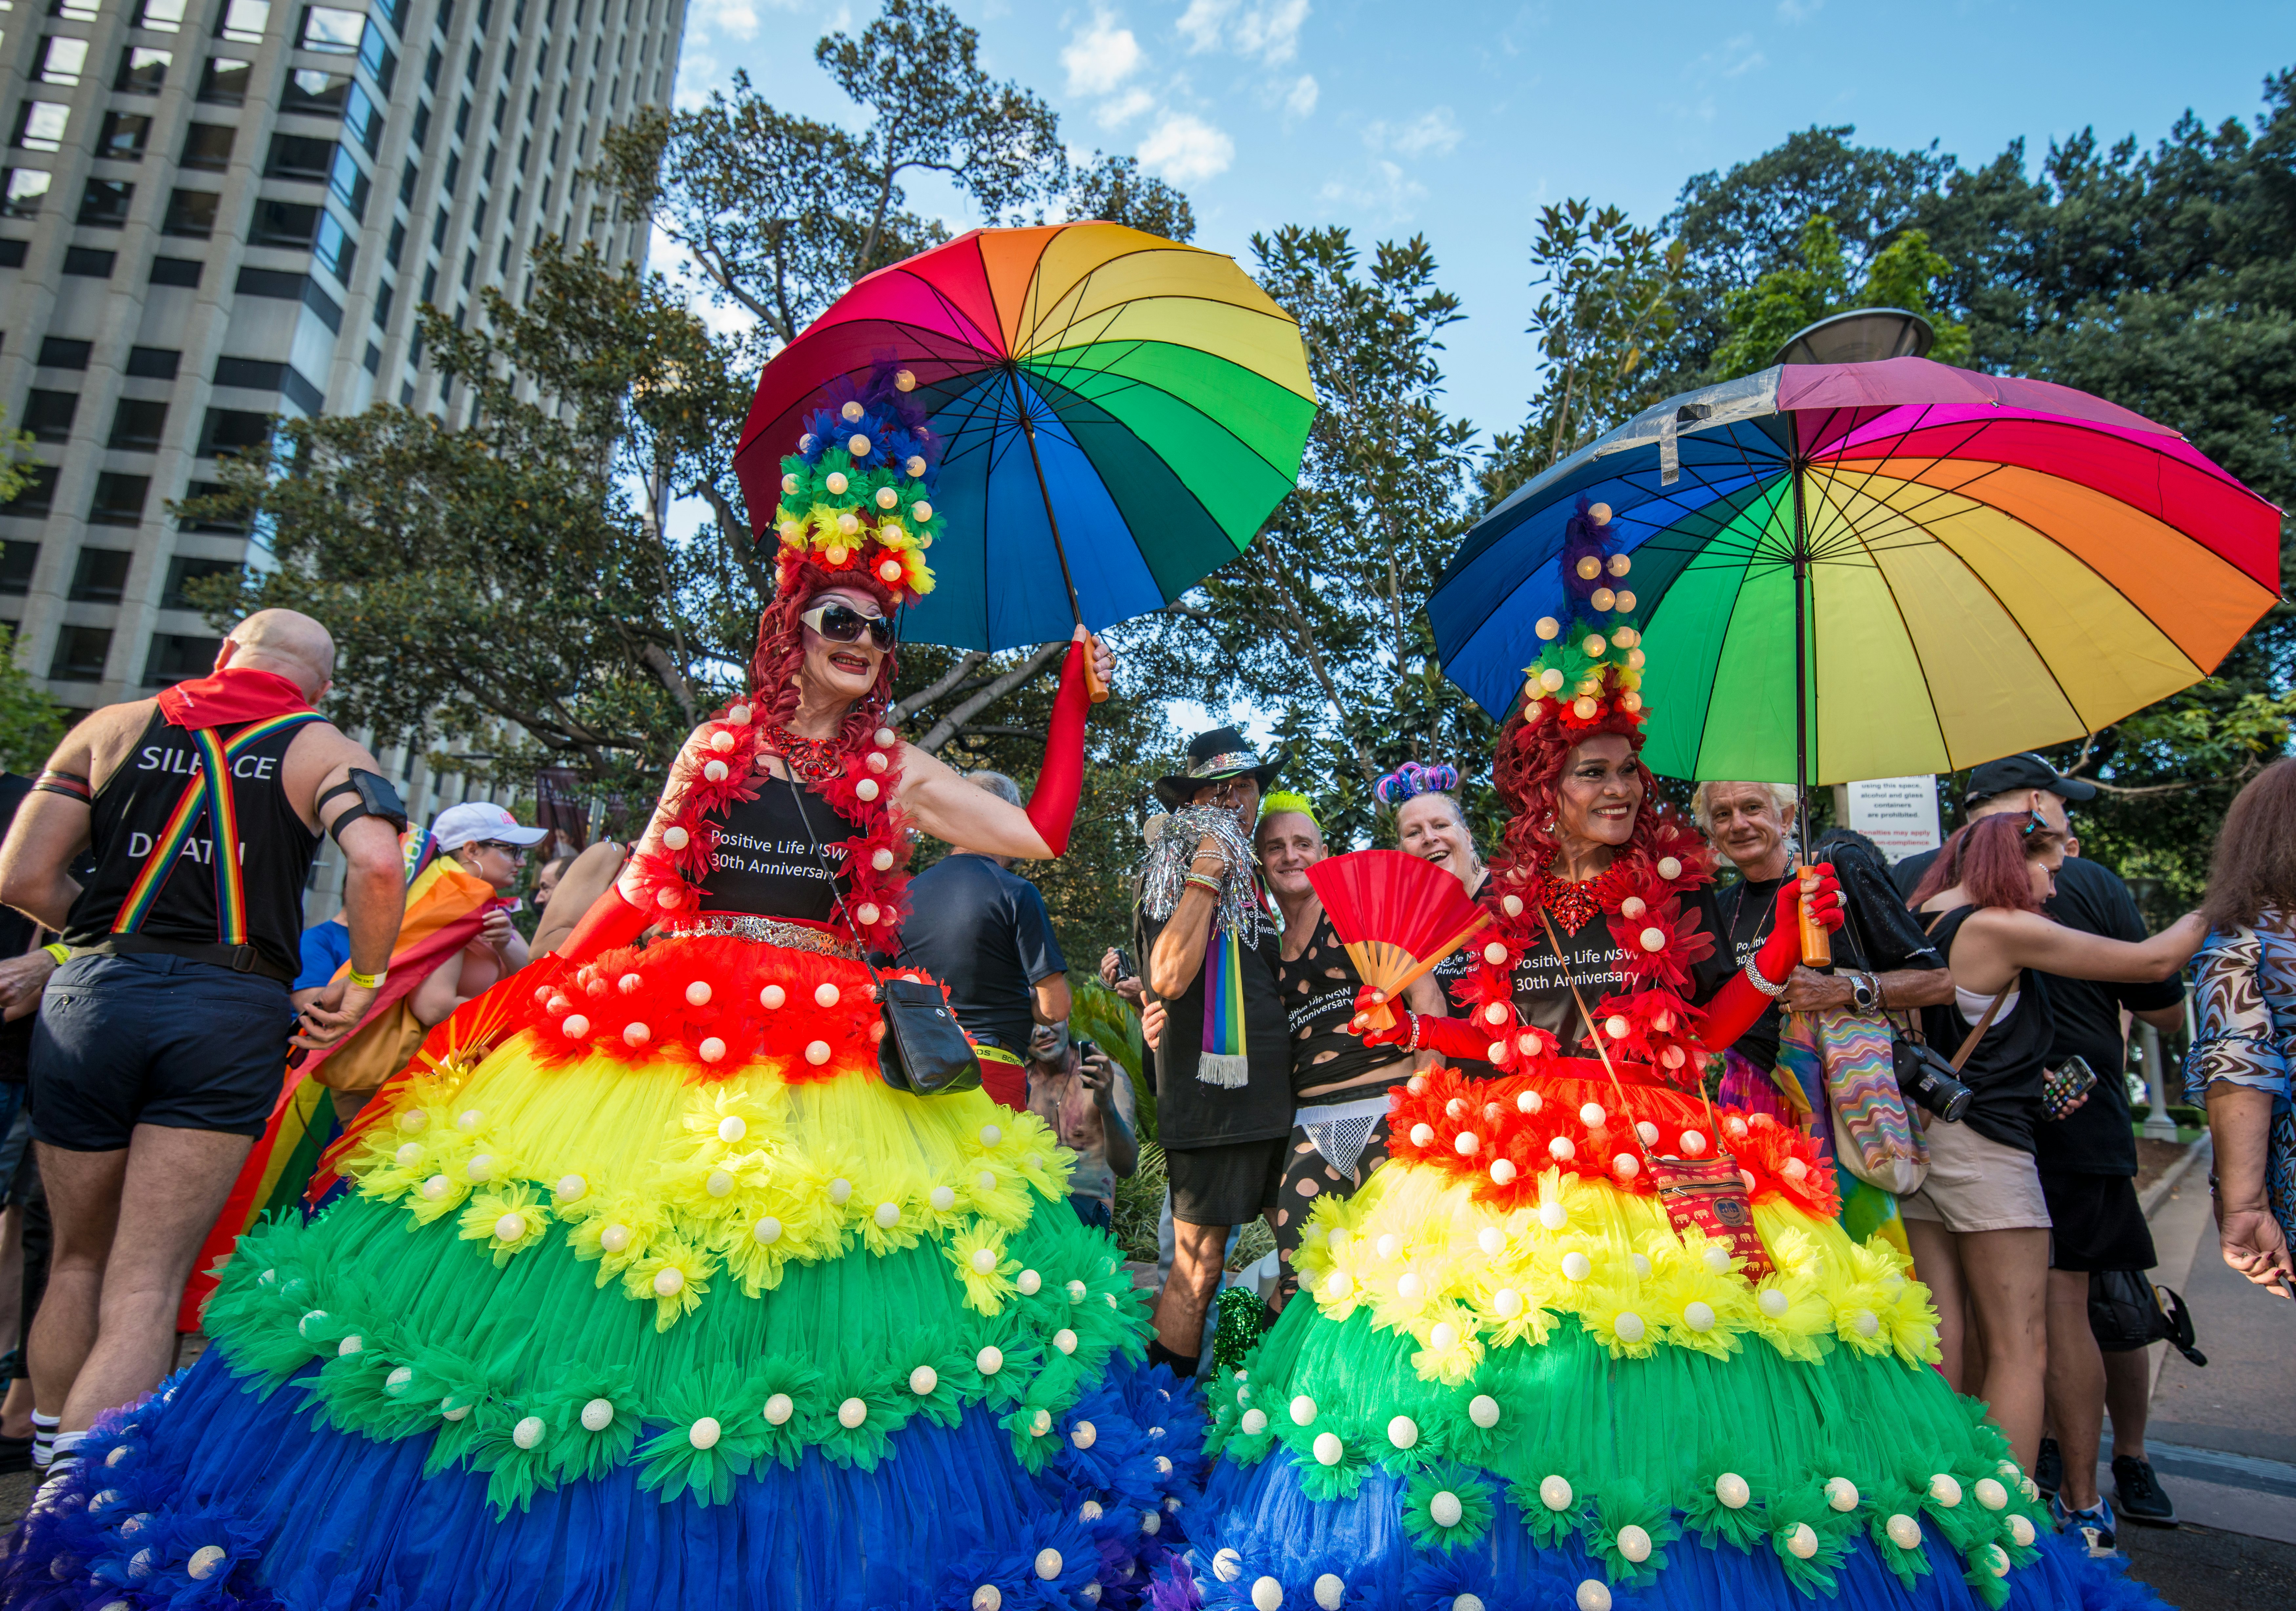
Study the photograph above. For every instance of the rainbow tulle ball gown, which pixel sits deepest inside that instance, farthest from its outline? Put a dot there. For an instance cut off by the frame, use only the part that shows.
(609, 1327)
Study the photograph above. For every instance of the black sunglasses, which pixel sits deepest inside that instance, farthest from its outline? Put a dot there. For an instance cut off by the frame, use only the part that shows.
(843, 624)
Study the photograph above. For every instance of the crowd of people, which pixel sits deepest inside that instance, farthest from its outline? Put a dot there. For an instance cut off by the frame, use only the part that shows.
(685, 1189)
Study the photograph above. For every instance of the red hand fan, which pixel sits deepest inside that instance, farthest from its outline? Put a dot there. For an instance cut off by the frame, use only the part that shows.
(1396, 915)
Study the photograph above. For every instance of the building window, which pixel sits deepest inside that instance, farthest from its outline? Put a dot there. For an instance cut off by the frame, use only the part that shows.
(119, 500)
(16, 562)
(62, 352)
(38, 494)
(26, 188)
(222, 525)
(80, 654)
(162, 16)
(363, 121)
(48, 414)
(316, 92)
(191, 212)
(283, 224)
(349, 183)
(244, 21)
(124, 136)
(73, 10)
(336, 32)
(153, 362)
(398, 243)
(40, 125)
(233, 431)
(175, 657)
(141, 71)
(299, 157)
(176, 271)
(422, 133)
(89, 262)
(138, 423)
(376, 57)
(183, 568)
(334, 247)
(105, 203)
(99, 576)
(206, 146)
(61, 61)
(384, 291)
(225, 80)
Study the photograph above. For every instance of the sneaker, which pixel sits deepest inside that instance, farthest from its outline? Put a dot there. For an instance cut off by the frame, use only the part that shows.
(2093, 1526)
(2139, 1494)
(2049, 1469)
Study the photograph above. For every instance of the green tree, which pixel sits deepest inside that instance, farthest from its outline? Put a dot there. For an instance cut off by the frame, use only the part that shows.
(1611, 296)
(31, 723)
(1760, 318)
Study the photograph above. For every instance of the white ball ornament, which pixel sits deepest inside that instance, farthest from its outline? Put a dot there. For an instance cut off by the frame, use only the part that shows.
(1065, 1340)
(1694, 1144)
(414, 1120)
(597, 1415)
(705, 1433)
(1732, 1491)
(575, 1026)
(1633, 1543)
(410, 1155)
(1801, 1541)
(2022, 1530)
(529, 1431)
(771, 996)
(1554, 1492)
(1996, 1560)
(636, 1034)
(852, 1412)
(866, 789)
(990, 1361)
(1669, 868)
(1254, 1422)
(1303, 1410)
(1048, 1564)
(1772, 1302)
(882, 861)
(733, 1128)
(1842, 1494)
(615, 1238)
(1506, 1303)
(1483, 1409)
(1266, 1595)
(716, 771)
(349, 1345)
(1904, 1531)
(766, 1231)
(1717, 1260)
(669, 1283)
(1468, 1602)
(1331, 1592)
(1328, 1449)
(1697, 1316)
(989, 1597)
(1629, 1327)
(719, 1183)
(1577, 1266)
(816, 1052)
(1989, 1493)
(1561, 1149)
(1492, 1240)
(923, 1379)
(1445, 1510)
(1553, 1215)
(1495, 953)
(825, 995)
(510, 1227)
(206, 1560)
(1227, 1565)
(1945, 1490)
(1444, 1337)
(779, 1409)
(1594, 1594)
(1468, 1143)
(1421, 1134)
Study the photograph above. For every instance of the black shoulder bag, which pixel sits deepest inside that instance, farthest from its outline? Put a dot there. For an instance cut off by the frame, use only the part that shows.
(924, 1051)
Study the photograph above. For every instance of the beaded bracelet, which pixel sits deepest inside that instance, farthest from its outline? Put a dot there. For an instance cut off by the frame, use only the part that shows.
(1754, 977)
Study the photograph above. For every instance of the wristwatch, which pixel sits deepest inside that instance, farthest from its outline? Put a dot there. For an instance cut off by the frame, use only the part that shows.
(1863, 992)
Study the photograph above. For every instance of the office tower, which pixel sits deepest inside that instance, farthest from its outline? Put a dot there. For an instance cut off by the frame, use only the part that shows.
(214, 211)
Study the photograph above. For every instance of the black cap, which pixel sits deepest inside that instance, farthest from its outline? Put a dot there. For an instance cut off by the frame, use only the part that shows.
(2025, 771)
(1214, 756)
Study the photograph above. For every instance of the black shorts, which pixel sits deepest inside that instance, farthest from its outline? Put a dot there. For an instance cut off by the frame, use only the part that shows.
(2095, 1223)
(155, 1040)
(1226, 1184)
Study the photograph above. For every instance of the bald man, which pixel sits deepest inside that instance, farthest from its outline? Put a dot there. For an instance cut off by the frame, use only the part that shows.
(161, 1037)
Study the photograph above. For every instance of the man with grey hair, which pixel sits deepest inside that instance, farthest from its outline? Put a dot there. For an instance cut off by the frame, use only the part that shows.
(982, 929)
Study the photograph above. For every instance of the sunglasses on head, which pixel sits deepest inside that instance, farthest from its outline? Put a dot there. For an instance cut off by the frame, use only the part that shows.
(843, 624)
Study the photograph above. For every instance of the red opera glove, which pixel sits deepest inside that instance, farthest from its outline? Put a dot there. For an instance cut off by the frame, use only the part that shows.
(1420, 1031)
(1060, 781)
(1740, 1003)
(612, 922)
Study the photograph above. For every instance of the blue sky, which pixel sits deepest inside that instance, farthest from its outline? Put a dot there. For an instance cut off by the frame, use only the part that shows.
(1459, 121)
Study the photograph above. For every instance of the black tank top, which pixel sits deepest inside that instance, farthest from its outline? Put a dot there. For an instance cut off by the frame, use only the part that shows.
(1319, 989)
(769, 858)
(2005, 1070)
(131, 809)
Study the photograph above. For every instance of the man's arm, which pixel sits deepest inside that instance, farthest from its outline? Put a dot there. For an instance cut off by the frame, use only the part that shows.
(51, 829)
(2162, 1017)
(1178, 956)
(374, 884)
(1052, 1005)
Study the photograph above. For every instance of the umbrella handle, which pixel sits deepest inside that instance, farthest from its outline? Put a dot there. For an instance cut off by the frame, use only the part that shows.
(1092, 683)
(1817, 944)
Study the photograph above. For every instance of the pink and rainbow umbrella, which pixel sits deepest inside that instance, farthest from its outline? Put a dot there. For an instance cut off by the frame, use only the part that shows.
(1876, 570)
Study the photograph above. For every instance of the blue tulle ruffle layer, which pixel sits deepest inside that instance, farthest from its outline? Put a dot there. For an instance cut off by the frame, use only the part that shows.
(1278, 1532)
(208, 1496)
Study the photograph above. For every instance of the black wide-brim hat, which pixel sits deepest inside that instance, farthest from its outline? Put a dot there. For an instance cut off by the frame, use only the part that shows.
(1216, 757)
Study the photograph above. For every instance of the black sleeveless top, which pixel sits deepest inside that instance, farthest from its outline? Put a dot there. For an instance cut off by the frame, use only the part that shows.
(2005, 1070)
(275, 850)
(768, 856)
(1318, 989)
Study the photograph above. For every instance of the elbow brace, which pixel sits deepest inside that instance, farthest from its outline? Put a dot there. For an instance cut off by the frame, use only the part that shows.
(375, 798)
(1060, 781)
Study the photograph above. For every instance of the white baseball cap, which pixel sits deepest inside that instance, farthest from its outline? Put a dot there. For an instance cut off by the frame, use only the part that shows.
(474, 820)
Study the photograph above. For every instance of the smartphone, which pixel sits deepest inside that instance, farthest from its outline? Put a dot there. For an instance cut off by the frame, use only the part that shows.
(2064, 1086)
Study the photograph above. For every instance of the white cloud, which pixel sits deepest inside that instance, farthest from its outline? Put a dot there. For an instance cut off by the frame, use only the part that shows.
(1098, 58)
(1269, 30)
(1799, 11)
(1387, 194)
(738, 18)
(1301, 100)
(1122, 109)
(1435, 130)
(1734, 58)
(1185, 149)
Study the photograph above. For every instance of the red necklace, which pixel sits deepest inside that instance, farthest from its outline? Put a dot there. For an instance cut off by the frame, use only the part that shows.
(1574, 905)
(814, 759)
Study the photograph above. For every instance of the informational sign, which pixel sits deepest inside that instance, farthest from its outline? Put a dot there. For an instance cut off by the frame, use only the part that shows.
(1900, 814)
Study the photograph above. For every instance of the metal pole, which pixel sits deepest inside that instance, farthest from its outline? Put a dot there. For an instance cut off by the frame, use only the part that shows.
(2158, 1125)
(1029, 430)
(1801, 679)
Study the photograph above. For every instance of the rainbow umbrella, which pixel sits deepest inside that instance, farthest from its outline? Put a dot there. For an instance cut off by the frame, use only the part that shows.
(1118, 415)
(1876, 570)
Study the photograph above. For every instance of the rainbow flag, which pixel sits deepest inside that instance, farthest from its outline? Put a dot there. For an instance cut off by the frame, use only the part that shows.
(1224, 1060)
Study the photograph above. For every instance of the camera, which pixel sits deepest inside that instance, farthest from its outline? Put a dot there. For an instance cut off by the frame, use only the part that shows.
(1928, 1079)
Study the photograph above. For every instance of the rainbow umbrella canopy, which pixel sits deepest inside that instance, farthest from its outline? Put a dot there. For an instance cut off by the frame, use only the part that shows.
(1876, 570)
(1118, 414)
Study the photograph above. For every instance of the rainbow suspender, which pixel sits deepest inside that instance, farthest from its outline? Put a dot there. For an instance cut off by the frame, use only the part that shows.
(210, 794)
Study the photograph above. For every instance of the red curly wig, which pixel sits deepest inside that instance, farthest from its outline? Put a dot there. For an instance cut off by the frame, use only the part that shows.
(1528, 773)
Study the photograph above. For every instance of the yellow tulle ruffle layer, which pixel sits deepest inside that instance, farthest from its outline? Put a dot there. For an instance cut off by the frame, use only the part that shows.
(671, 1184)
(1423, 1257)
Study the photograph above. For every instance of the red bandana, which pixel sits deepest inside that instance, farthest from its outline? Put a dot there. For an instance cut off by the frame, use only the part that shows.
(229, 698)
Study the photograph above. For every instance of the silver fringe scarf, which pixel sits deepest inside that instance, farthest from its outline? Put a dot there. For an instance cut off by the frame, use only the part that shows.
(1222, 1060)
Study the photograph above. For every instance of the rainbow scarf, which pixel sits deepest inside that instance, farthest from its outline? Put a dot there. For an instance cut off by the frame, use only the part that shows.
(1223, 1061)
(208, 795)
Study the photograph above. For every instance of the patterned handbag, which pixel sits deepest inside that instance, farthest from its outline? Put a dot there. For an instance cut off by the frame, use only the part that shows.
(1848, 1053)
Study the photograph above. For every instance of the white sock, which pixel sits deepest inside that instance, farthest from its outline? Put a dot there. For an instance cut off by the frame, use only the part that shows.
(66, 1450)
(43, 1439)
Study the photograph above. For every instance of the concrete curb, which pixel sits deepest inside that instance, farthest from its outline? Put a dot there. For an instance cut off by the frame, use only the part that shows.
(2158, 1193)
